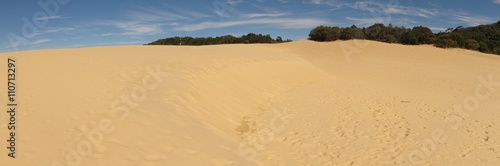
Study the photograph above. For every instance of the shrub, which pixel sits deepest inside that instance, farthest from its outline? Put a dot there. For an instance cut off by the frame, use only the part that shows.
(228, 39)
(483, 47)
(472, 44)
(390, 39)
(485, 38)
(445, 41)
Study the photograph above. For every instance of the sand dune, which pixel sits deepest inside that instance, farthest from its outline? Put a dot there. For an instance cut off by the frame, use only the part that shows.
(300, 103)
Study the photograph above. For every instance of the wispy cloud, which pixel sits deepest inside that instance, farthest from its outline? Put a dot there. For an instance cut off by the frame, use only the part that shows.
(225, 8)
(232, 2)
(141, 29)
(366, 21)
(473, 20)
(412, 11)
(39, 41)
(28, 43)
(433, 4)
(404, 21)
(229, 9)
(373, 20)
(50, 18)
(133, 28)
(266, 8)
(56, 30)
(373, 6)
(285, 23)
(146, 21)
(192, 14)
(496, 1)
(334, 4)
(153, 14)
(395, 8)
(255, 15)
(51, 30)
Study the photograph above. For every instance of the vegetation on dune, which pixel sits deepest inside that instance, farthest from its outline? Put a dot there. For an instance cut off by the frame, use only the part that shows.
(484, 38)
(228, 39)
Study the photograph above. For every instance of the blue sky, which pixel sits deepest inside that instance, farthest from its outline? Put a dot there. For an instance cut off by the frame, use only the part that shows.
(46, 24)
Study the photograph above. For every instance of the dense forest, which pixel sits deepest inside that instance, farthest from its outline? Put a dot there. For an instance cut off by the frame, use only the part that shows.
(484, 38)
(228, 39)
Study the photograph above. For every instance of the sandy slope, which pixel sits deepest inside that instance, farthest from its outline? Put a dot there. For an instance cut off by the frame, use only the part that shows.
(300, 103)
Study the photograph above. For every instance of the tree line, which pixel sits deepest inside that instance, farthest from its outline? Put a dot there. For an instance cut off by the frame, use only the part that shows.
(228, 39)
(484, 38)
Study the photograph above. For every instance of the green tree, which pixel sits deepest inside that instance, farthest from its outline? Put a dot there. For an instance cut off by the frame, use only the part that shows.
(279, 39)
(424, 35)
(390, 39)
(445, 41)
(483, 47)
(325, 33)
(409, 38)
(320, 33)
(472, 44)
(376, 32)
(228, 39)
(485, 38)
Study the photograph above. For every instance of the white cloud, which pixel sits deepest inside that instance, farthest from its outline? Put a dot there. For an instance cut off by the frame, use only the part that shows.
(279, 23)
(153, 14)
(28, 43)
(225, 8)
(404, 21)
(52, 30)
(335, 4)
(473, 20)
(372, 6)
(149, 21)
(366, 6)
(496, 1)
(192, 14)
(56, 30)
(373, 20)
(433, 4)
(413, 11)
(254, 15)
(40, 41)
(109, 34)
(266, 8)
(366, 21)
(142, 29)
(395, 8)
(50, 18)
(232, 2)
(133, 28)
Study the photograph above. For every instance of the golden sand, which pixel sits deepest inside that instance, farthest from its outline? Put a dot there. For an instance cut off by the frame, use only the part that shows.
(301, 103)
